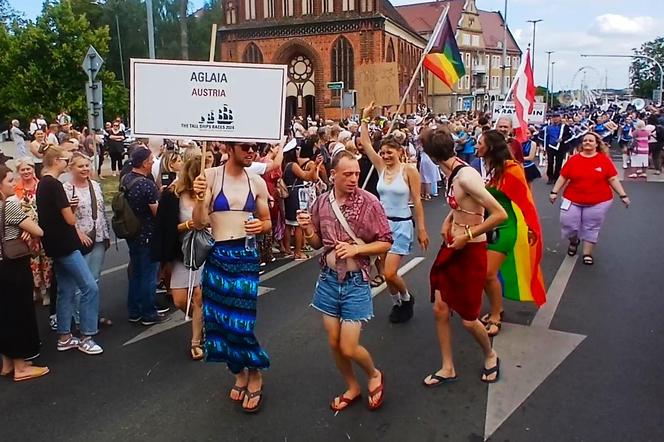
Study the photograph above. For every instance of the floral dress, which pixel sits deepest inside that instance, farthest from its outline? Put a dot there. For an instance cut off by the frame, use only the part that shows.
(40, 264)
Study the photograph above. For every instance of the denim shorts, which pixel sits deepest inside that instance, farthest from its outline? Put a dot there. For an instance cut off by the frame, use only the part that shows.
(348, 300)
(402, 236)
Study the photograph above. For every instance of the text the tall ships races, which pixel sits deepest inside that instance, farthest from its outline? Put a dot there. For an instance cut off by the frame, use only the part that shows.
(209, 90)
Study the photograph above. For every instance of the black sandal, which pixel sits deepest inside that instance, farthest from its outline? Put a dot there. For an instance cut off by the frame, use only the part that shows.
(486, 318)
(486, 372)
(588, 260)
(497, 324)
(573, 246)
(440, 380)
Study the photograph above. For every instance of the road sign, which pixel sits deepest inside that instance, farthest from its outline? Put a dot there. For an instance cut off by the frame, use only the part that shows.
(92, 63)
(95, 99)
(335, 85)
(657, 95)
(348, 100)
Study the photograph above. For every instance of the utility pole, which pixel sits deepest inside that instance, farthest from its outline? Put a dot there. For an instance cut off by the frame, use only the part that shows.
(532, 60)
(117, 28)
(548, 71)
(553, 95)
(503, 84)
(148, 6)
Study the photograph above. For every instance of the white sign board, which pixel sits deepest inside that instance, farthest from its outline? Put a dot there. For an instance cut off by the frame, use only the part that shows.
(208, 101)
(537, 116)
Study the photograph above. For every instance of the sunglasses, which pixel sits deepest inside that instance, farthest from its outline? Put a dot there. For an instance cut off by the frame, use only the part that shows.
(66, 160)
(246, 147)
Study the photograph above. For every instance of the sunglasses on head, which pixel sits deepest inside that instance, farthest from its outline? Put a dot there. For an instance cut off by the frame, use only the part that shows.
(66, 160)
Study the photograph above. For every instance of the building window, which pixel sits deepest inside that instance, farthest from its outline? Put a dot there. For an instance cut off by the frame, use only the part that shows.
(465, 39)
(342, 63)
(516, 61)
(488, 61)
(250, 9)
(231, 19)
(466, 82)
(496, 61)
(468, 60)
(347, 5)
(389, 56)
(476, 40)
(328, 6)
(507, 81)
(268, 8)
(252, 54)
(307, 7)
(288, 8)
(366, 5)
(459, 103)
(494, 81)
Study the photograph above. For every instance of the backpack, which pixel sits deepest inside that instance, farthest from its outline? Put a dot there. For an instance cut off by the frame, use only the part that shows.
(125, 223)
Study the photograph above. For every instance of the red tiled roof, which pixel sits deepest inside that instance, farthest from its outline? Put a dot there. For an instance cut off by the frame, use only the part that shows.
(422, 17)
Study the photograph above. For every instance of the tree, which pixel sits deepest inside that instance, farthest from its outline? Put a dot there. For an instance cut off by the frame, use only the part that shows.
(184, 43)
(45, 58)
(644, 74)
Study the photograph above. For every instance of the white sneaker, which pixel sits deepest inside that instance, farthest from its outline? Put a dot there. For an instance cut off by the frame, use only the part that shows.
(89, 346)
(625, 166)
(69, 344)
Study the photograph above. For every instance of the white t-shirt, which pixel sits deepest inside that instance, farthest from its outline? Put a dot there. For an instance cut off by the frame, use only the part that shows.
(257, 168)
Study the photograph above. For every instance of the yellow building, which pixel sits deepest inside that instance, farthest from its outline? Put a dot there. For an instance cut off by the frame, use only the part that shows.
(480, 36)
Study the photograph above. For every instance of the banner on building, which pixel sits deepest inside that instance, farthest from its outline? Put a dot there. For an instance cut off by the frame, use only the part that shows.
(208, 101)
(378, 82)
(537, 116)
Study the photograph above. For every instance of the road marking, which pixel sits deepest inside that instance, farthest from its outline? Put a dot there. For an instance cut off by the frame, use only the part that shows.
(114, 269)
(410, 265)
(279, 270)
(529, 354)
(554, 294)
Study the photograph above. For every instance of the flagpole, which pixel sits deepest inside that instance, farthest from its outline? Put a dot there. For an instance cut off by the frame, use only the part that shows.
(426, 50)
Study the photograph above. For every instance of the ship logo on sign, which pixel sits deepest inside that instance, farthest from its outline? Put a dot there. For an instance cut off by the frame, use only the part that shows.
(223, 116)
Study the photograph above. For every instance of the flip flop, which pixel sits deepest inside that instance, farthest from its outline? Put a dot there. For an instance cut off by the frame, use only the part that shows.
(486, 372)
(377, 281)
(377, 390)
(250, 395)
(241, 392)
(498, 324)
(41, 371)
(485, 319)
(344, 400)
(440, 380)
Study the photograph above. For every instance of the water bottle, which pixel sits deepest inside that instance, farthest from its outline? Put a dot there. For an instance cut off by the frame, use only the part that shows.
(250, 240)
(303, 199)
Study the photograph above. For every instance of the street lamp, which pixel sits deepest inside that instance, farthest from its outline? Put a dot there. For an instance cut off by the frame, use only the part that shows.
(661, 70)
(553, 95)
(503, 83)
(548, 71)
(148, 6)
(534, 22)
(117, 29)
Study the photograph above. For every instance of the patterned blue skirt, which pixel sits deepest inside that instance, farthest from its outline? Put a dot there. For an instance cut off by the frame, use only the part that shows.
(230, 294)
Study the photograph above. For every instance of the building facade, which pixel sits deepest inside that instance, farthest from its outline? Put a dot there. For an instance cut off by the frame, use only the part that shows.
(480, 36)
(323, 41)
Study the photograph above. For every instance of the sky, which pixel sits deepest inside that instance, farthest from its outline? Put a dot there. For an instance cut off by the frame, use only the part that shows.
(569, 27)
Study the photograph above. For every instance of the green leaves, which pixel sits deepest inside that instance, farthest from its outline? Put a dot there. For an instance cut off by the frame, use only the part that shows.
(644, 74)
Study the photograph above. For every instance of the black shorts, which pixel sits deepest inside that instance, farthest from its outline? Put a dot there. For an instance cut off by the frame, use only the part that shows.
(532, 173)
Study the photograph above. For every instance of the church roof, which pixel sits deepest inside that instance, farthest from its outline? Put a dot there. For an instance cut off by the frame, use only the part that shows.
(422, 17)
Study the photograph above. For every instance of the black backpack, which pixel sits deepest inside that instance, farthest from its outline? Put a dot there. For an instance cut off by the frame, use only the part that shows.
(125, 223)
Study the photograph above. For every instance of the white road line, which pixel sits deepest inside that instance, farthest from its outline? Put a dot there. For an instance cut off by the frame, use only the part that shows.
(281, 269)
(554, 294)
(410, 265)
(114, 269)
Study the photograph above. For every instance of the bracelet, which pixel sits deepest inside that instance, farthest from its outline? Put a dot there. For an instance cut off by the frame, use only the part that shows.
(189, 224)
(622, 197)
(200, 198)
(553, 193)
(469, 234)
(366, 120)
(310, 236)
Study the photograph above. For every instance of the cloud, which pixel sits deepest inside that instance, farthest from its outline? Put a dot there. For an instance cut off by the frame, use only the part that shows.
(615, 24)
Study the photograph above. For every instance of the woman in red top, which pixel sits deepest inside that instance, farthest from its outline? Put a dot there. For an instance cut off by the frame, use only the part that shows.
(589, 176)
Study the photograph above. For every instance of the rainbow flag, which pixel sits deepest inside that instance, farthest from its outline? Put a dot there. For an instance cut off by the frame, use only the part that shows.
(520, 273)
(444, 59)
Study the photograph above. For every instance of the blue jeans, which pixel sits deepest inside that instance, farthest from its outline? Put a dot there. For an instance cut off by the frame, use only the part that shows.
(348, 300)
(142, 282)
(95, 260)
(73, 274)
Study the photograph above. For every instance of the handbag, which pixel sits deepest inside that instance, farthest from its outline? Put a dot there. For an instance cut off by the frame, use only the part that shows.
(196, 246)
(344, 224)
(92, 234)
(13, 248)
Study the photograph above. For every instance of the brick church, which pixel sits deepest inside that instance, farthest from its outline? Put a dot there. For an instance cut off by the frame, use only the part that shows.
(366, 44)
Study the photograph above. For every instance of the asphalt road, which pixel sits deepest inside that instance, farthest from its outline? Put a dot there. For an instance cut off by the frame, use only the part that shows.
(607, 389)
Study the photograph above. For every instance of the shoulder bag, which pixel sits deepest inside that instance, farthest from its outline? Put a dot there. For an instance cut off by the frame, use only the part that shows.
(344, 224)
(92, 234)
(13, 248)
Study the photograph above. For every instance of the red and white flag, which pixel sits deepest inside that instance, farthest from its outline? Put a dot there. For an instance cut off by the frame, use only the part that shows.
(524, 98)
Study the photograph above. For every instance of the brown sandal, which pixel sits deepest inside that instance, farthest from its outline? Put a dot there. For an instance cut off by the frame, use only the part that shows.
(497, 324)
(241, 391)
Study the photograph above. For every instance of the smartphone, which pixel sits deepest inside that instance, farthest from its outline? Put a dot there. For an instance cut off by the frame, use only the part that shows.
(165, 179)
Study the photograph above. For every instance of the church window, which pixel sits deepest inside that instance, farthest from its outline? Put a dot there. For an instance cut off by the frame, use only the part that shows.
(342, 63)
(252, 54)
(307, 7)
(389, 57)
(328, 6)
(230, 14)
(347, 5)
(288, 8)
(268, 8)
(366, 5)
(250, 9)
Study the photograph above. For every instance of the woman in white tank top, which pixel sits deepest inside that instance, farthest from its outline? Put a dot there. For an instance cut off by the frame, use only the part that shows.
(397, 185)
